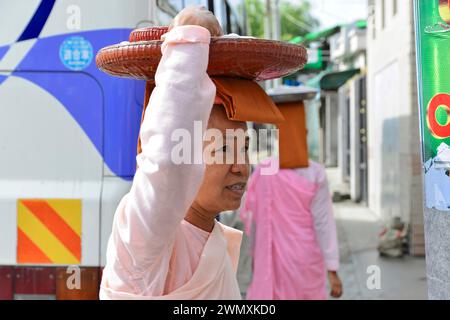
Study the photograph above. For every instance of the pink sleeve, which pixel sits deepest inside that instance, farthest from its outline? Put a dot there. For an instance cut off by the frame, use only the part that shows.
(145, 224)
(324, 222)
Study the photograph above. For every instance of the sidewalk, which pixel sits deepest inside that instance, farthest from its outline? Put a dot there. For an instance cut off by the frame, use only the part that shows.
(358, 228)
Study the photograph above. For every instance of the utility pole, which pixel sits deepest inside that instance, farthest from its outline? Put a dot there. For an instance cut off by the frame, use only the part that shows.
(268, 33)
(276, 31)
(276, 22)
(272, 29)
(268, 20)
(434, 92)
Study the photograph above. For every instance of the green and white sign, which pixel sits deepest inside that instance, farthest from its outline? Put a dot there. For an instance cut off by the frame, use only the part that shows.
(315, 59)
(433, 61)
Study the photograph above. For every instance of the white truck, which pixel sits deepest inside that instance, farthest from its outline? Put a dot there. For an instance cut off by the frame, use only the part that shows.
(68, 136)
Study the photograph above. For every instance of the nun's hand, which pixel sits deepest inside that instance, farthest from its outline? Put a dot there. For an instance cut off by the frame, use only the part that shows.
(335, 284)
(198, 15)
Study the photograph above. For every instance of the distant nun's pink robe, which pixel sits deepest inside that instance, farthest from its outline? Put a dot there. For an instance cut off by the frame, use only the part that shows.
(152, 252)
(294, 236)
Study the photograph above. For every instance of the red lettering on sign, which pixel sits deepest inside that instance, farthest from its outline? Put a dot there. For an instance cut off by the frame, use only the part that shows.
(439, 131)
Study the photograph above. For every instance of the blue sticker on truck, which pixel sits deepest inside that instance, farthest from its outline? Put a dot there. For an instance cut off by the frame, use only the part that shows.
(76, 53)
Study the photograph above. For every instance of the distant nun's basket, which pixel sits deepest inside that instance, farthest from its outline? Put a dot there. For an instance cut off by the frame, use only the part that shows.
(238, 57)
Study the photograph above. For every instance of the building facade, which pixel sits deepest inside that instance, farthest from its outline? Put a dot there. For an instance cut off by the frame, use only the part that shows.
(394, 160)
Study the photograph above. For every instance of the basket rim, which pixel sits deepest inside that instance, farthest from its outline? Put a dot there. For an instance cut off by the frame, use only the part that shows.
(291, 57)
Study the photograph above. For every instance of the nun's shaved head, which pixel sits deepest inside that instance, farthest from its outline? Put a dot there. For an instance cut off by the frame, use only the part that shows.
(218, 115)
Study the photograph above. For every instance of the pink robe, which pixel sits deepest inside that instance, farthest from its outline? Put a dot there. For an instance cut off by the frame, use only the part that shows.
(153, 253)
(294, 233)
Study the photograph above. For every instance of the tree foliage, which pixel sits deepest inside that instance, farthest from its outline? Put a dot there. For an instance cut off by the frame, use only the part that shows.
(295, 18)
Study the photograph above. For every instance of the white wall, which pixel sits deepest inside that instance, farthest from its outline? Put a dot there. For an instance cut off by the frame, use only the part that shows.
(393, 134)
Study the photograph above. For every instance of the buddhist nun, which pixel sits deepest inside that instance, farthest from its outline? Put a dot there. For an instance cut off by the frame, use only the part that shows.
(290, 218)
(165, 241)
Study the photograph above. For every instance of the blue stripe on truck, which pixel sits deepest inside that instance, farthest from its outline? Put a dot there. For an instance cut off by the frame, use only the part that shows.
(112, 126)
(37, 22)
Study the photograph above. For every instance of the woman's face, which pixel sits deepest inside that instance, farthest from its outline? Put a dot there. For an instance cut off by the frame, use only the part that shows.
(224, 183)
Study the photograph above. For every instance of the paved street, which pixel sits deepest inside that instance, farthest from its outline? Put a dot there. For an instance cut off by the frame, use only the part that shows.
(402, 278)
(358, 228)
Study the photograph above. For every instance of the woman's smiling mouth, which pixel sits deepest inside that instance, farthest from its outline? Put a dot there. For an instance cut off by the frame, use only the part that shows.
(237, 188)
